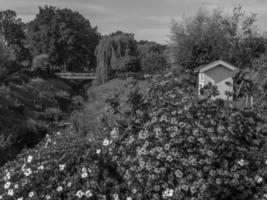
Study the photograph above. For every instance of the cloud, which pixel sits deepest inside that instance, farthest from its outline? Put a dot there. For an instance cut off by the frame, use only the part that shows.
(147, 19)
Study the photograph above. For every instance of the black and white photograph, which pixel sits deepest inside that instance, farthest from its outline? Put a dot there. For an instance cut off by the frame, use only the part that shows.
(133, 100)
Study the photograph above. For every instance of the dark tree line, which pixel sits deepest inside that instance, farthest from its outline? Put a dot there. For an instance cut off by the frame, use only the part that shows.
(65, 36)
(207, 37)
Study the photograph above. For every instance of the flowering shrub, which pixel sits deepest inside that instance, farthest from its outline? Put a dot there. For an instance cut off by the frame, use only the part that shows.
(173, 146)
(189, 149)
(63, 166)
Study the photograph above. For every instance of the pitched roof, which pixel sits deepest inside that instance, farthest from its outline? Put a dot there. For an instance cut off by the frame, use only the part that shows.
(203, 68)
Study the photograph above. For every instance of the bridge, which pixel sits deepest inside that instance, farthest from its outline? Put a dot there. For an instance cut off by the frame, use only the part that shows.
(76, 76)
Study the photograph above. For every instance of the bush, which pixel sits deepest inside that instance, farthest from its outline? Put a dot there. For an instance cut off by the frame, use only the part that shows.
(63, 166)
(152, 57)
(169, 146)
(189, 149)
(41, 62)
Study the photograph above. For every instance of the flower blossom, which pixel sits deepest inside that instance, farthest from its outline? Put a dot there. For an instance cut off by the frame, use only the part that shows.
(40, 167)
(59, 189)
(106, 142)
(84, 175)
(8, 175)
(79, 194)
(241, 162)
(168, 193)
(10, 192)
(258, 179)
(31, 194)
(88, 193)
(7, 185)
(115, 196)
(29, 159)
(62, 167)
(28, 172)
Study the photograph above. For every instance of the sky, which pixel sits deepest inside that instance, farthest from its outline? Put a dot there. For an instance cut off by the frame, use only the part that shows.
(147, 19)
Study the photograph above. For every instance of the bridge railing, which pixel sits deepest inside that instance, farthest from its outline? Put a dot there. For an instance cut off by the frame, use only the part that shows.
(76, 76)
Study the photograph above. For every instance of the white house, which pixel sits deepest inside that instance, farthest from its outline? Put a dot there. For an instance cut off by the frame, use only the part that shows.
(218, 73)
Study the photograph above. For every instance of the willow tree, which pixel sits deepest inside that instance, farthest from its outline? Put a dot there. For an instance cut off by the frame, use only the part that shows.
(116, 53)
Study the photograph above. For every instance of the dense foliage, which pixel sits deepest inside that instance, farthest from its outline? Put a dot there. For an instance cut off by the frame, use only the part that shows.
(27, 106)
(152, 57)
(116, 53)
(12, 34)
(170, 146)
(41, 62)
(207, 37)
(65, 36)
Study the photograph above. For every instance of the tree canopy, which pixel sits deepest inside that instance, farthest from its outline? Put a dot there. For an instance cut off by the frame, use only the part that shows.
(65, 36)
(152, 56)
(13, 35)
(207, 37)
(116, 53)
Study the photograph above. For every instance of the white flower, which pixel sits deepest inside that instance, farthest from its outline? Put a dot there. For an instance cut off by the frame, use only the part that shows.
(7, 185)
(258, 179)
(58, 133)
(241, 162)
(47, 196)
(40, 167)
(29, 159)
(128, 198)
(84, 175)
(79, 194)
(98, 151)
(106, 142)
(115, 196)
(16, 186)
(1, 197)
(28, 172)
(84, 170)
(69, 184)
(10, 192)
(88, 193)
(168, 193)
(31, 194)
(21, 198)
(62, 167)
(8, 175)
(59, 189)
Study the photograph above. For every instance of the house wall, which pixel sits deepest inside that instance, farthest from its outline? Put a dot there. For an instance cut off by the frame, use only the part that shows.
(222, 87)
(218, 75)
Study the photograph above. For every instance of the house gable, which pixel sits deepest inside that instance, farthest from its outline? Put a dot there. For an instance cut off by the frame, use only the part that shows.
(219, 73)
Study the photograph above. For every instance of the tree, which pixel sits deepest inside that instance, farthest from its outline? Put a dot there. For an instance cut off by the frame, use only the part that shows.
(65, 36)
(116, 53)
(4, 54)
(207, 37)
(152, 56)
(13, 35)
